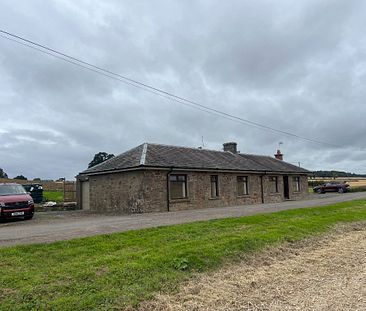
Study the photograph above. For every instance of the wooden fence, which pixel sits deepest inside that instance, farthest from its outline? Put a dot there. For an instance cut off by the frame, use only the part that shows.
(67, 187)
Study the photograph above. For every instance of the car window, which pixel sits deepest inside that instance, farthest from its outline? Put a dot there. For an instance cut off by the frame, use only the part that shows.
(12, 189)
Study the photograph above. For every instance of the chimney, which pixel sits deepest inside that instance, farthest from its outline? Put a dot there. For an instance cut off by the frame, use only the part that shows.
(279, 155)
(231, 147)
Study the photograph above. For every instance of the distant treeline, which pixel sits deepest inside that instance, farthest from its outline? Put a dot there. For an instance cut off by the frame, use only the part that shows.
(336, 174)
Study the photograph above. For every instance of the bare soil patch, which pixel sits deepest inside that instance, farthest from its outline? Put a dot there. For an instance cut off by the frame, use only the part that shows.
(326, 273)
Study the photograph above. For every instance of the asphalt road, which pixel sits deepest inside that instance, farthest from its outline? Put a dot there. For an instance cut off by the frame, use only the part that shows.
(55, 226)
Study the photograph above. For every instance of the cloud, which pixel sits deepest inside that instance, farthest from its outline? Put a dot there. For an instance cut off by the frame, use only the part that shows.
(296, 66)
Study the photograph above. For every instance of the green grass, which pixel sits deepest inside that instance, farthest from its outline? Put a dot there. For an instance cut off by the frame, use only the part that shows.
(117, 270)
(56, 196)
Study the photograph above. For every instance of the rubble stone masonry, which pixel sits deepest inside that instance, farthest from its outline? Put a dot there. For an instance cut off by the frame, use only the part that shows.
(147, 190)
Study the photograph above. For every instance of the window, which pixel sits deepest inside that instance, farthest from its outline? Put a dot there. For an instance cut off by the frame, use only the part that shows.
(178, 186)
(242, 185)
(296, 182)
(214, 186)
(273, 184)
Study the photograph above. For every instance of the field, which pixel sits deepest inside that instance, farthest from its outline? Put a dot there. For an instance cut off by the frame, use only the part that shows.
(321, 273)
(356, 183)
(352, 181)
(119, 271)
(55, 196)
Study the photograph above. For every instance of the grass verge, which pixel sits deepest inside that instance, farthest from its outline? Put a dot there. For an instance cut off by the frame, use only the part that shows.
(55, 196)
(119, 270)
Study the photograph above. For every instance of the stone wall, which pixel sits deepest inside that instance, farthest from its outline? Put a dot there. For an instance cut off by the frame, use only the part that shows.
(270, 196)
(146, 191)
(199, 191)
(304, 188)
(69, 206)
(155, 190)
(119, 192)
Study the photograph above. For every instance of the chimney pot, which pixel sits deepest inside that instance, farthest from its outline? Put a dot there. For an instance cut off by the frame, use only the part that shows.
(279, 155)
(231, 147)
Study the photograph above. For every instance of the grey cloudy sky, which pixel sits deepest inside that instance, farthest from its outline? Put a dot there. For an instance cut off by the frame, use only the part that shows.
(298, 66)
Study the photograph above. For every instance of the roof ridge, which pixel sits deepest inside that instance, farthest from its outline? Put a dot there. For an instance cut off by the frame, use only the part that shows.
(143, 154)
(214, 150)
(192, 148)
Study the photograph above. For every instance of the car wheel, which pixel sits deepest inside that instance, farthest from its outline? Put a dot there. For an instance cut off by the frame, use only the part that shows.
(340, 190)
(319, 191)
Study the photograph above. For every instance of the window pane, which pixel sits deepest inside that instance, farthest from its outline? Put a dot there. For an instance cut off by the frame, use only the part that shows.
(242, 185)
(240, 188)
(273, 187)
(213, 190)
(214, 186)
(273, 181)
(184, 185)
(177, 186)
(177, 190)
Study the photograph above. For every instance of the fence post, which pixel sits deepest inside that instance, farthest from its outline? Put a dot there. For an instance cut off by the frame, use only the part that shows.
(64, 180)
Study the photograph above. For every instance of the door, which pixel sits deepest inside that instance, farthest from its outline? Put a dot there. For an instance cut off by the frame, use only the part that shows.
(85, 195)
(286, 190)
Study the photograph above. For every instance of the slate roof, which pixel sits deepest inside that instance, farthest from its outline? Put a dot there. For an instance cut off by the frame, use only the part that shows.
(163, 156)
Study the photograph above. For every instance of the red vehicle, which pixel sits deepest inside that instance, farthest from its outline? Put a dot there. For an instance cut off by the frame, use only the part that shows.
(15, 202)
(332, 187)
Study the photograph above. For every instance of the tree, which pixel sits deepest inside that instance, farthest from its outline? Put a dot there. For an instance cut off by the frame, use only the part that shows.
(21, 177)
(3, 174)
(99, 158)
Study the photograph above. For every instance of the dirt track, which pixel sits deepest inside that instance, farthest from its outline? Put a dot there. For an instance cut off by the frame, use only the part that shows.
(321, 274)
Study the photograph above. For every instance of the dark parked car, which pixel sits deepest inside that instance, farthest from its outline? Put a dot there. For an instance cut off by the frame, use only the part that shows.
(15, 202)
(332, 187)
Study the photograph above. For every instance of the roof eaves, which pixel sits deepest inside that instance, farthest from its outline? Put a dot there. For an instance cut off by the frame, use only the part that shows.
(140, 167)
(111, 171)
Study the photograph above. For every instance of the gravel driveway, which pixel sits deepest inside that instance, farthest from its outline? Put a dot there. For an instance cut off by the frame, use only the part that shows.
(55, 226)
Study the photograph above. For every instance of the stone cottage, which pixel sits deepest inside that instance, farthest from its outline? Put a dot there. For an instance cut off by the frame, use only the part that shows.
(157, 178)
